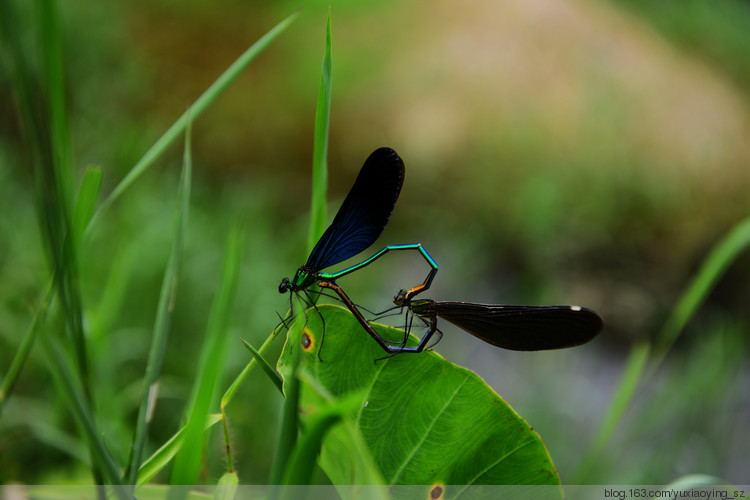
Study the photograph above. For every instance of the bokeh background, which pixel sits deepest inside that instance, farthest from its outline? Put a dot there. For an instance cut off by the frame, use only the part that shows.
(580, 151)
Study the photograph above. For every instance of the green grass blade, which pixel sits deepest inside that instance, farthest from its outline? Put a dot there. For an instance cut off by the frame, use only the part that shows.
(162, 322)
(267, 368)
(232, 390)
(42, 106)
(79, 406)
(301, 465)
(52, 40)
(320, 148)
(227, 486)
(200, 105)
(722, 255)
(235, 385)
(288, 431)
(60, 175)
(42, 112)
(213, 356)
(22, 354)
(626, 389)
(714, 265)
(86, 202)
(164, 455)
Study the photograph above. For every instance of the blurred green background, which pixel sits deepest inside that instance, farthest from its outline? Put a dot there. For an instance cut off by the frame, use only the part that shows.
(584, 152)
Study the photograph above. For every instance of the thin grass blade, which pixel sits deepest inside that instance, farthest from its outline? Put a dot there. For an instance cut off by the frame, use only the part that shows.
(722, 255)
(227, 486)
(301, 465)
(37, 322)
(320, 148)
(235, 385)
(626, 389)
(70, 388)
(42, 106)
(164, 455)
(232, 390)
(86, 202)
(163, 319)
(267, 368)
(288, 431)
(213, 356)
(200, 105)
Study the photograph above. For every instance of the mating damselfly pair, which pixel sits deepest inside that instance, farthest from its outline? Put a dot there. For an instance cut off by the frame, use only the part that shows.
(362, 218)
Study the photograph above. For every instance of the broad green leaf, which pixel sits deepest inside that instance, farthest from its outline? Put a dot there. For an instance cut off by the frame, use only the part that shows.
(424, 420)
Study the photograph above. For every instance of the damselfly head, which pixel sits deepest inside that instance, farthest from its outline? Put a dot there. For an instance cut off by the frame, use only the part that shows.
(284, 286)
(400, 298)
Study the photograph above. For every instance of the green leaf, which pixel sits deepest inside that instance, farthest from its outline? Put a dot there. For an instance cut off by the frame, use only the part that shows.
(163, 318)
(37, 323)
(267, 368)
(213, 357)
(232, 390)
(299, 469)
(161, 457)
(70, 387)
(199, 106)
(227, 486)
(235, 385)
(722, 255)
(288, 431)
(320, 148)
(86, 201)
(424, 420)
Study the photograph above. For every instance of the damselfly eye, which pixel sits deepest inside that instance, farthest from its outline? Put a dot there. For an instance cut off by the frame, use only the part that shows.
(284, 285)
(399, 298)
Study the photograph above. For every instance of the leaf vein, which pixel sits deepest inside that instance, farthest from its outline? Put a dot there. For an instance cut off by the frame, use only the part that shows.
(437, 416)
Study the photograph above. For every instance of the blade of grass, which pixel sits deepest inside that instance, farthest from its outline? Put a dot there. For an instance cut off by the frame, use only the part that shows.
(623, 395)
(267, 368)
(288, 431)
(42, 115)
(71, 389)
(232, 390)
(22, 354)
(213, 355)
(197, 108)
(227, 486)
(86, 202)
(721, 256)
(299, 470)
(164, 455)
(301, 465)
(320, 147)
(163, 318)
(42, 107)
(60, 175)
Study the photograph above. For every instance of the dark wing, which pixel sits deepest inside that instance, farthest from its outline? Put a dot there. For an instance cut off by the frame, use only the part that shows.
(524, 328)
(364, 213)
